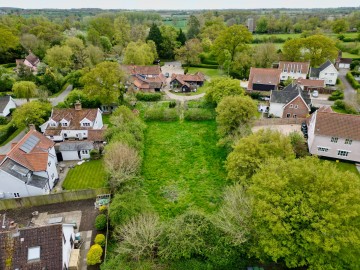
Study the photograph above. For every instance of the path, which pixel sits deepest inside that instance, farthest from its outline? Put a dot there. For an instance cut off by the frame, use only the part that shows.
(6, 148)
(349, 91)
(166, 89)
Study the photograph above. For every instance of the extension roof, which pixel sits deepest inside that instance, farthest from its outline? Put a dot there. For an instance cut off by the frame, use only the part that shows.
(268, 76)
(294, 67)
(311, 83)
(289, 93)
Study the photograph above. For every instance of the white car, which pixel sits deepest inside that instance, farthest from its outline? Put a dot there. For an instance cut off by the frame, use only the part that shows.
(315, 93)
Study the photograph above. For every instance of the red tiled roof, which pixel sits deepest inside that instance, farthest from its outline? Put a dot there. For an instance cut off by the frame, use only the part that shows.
(96, 135)
(294, 67)
(2, 158)
(311, 83)
(325, 108)
(333, 124)
(143, 70)
(197, 77)
(269, 76)
(37, 158)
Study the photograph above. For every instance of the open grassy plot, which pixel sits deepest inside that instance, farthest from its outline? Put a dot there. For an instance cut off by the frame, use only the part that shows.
(183, 168)
(90, 174)
(212, 73)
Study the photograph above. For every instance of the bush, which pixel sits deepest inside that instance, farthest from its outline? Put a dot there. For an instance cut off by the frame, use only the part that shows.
(100, 239)
(3, 120)
(95, 154)
(93, 257)
(100, 222)
(345, 107)
(197, 114)
(336, 95)
(172, 104)
(148, 96)
(161, 114)
(354, 83)
(6, 131)
(103, 209)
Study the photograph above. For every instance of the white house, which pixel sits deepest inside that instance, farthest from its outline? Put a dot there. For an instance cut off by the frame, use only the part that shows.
(334, 135)
(73, 129)
(6, 104)
(326, 72)
(293, 70)
(29, 168)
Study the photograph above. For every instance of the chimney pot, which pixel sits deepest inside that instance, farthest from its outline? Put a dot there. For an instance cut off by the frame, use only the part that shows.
(78, 106)
(32, 127)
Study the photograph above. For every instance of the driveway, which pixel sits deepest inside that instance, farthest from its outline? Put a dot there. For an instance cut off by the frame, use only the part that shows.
(7, 147)
(172, 67)
(349, 92)
(321, 100)
(173, 96)
(284, 129)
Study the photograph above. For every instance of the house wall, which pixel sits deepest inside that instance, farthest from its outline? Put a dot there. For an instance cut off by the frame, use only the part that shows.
(28, 64)
(329, 74)
(10, 185)
(74, 133)
(301, 111)
(70, 155)
(324, 141)
(68, 232)
(98, 123)
(11, 105)
(294, 75)
(51, 169)
(276, 109)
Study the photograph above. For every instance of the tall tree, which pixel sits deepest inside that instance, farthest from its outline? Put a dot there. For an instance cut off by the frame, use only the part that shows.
(262, 25)
(59, 57)
(265, 55)
(105, 82)
(156, 36)
(25, 89)
(34, 112)
(80, 54)
(219, 88)
(306, 214)
(139, 53)
(122, 31)
(340, 26)
(193, 27)
(7, 39)
(190, 52)
(181, 38)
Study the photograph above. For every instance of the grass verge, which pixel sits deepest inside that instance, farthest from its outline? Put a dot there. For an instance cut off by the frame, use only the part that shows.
(183, 168)
(90, 174)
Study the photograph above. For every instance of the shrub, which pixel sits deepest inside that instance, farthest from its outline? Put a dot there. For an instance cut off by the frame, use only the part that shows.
(354, 83)
(94, 255)
(336, 95)
(6, 131)
(100, 222)
(103, 209)
(148, 96)
(94, 154)
(100, 239)
(161, 114)
(346, 107)
(197, 114)
(3, 120)
(172, 104)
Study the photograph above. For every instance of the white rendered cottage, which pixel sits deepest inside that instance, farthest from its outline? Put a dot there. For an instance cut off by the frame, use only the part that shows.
(6, 104)
(293, 70)
(326, 72)
(29, 168)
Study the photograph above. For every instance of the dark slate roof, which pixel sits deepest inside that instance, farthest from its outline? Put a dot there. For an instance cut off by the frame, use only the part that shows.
(3, 102)
(314, 72)
(48, 238)
(289, 93)
(76, 146)
(346, 60)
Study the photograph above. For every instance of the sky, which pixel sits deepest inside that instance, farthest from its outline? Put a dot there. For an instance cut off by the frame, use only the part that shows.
(177, 4)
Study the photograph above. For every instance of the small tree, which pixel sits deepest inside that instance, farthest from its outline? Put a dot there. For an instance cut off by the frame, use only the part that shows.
(94, 254)
(222, 87)
(25, 89)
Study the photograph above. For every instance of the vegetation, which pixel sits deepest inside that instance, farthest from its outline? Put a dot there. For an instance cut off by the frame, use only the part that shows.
(219, 88)
(34, 112)
(341, 106)
(24, 89)
(100, 222)
(148, 96)
(100, 239)
(90, 174)
(94, 254)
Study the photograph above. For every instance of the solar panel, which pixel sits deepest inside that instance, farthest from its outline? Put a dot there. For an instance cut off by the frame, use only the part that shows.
(29, 144)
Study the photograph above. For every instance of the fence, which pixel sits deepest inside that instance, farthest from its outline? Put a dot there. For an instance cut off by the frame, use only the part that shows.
(65, 196)
(279, 121)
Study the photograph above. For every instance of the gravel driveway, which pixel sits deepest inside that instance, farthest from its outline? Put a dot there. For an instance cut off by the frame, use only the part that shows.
(284, 129)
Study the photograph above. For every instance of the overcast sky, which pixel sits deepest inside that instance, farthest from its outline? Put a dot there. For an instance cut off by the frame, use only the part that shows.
(177, 4)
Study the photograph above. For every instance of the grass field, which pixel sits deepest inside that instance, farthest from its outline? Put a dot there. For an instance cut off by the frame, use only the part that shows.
(90, 174)
(212, 73)
(179, 24)
(183, 168)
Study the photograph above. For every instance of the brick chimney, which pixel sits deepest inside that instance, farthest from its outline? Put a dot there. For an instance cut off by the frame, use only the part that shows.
(32, 127)
(78, 106)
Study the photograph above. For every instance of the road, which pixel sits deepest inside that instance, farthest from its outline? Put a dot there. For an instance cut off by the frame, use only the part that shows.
(54, 101)
(349, 91)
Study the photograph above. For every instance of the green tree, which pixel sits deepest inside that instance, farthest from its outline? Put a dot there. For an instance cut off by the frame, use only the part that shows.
(234, 116)
(189, 53)
(96, 55)
(6, 80)
(59, 57)
(169, 42)
(78, 95)
(252, 151)
(122, 31)
(340, 26)
(234, 39)
(193, 26)
(262, 25)
(7, 39)
(34, 112)
(306, 214)
(139, 53)
(265, 55)
(105, 44)
(79, 52)
(181, 38)
(25, 89)
(299, 144)
(156, 36)
(212, 28)
(104, 82)
(222, 87)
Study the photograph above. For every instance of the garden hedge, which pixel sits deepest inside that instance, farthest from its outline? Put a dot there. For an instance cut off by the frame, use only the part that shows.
(148, 96)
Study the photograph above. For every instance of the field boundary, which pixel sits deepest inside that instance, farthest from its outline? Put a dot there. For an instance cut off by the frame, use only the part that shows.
(65, 196)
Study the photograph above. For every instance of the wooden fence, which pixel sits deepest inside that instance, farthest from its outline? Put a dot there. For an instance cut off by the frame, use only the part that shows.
(279, 121)
(65, 196)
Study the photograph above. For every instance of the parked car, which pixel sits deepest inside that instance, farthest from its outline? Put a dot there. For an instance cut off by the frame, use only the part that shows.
(315, 93)
(167, 75)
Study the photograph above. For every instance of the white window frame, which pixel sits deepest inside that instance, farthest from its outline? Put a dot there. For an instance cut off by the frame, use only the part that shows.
(296, 106)
(334, 139)
(291, 105)
(34, 253)
(348, 141)
(323, 149)
(288, 115)
(343, 153)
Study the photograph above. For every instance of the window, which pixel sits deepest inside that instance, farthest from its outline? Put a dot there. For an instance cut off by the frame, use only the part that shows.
(65, 135)
(296, 106)
(288, 115)
(49, 163)
(34, 253)
(294, 115)
(85, 152)
(64, 124)
(71, 241)
(291, 106)
(64, 239)
(334, 139)
(343, 153)
(52, 176)
(86, 124)
(53, 124)
(330, 81)
(322, 149)
(348, 141)
(16, 195)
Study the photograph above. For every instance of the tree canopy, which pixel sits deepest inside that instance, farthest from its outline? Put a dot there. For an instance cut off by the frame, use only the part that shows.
(140, 53)
(25, 89)
(222, 87)
(34, 112)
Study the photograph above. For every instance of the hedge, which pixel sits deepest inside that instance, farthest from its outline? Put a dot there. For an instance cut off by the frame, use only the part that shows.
(148, 96)
(161, 114)
(93, 257)
(354, 83)
(204, 66)
(197, 114)
(338, 94)
(347, 108)
(6, 131)
(100, 222)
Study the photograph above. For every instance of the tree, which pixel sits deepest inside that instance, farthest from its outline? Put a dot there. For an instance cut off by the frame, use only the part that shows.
(122, 162)
(189, 53)
(222, 87)
(138, 32)
(252, 151)
(340, 26)
(139, 237)
(261, 25)
(7, 39)
(6, 80)
(139, 53)
(96, 55)
(105, 82)
(105, 44)
(34, 112)
(32, 43)
(212, 28)
(79, 52)
(169, 42)
(78, 95)
(234, 115)
(94, 254)
(181, 38)
(299, 144)
(59, 57)
(156, 36)
(234, 39)
(305, 213)
(193, 25)
(122, 31)
(25, 89)
(265, 55)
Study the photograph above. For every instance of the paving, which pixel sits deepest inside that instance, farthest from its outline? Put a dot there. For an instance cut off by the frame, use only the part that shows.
(66, 217)
(349, 92)
(284, 129)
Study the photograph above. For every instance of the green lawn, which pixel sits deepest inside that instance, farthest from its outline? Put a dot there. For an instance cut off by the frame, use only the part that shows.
(346, 166)
(183, 168)
(283, 36)
(106, 119)
(350, 55)
(212, 73)
(90, 174)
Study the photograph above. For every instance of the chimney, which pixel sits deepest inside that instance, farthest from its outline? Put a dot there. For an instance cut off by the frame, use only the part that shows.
(78, 106)
(32, 127)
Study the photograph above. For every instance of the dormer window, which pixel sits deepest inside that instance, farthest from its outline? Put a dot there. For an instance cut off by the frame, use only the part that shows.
(64, 124)
(86, 124)
(52, 124)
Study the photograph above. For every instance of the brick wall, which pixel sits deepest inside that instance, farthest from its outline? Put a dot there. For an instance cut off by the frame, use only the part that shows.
(296, 107)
